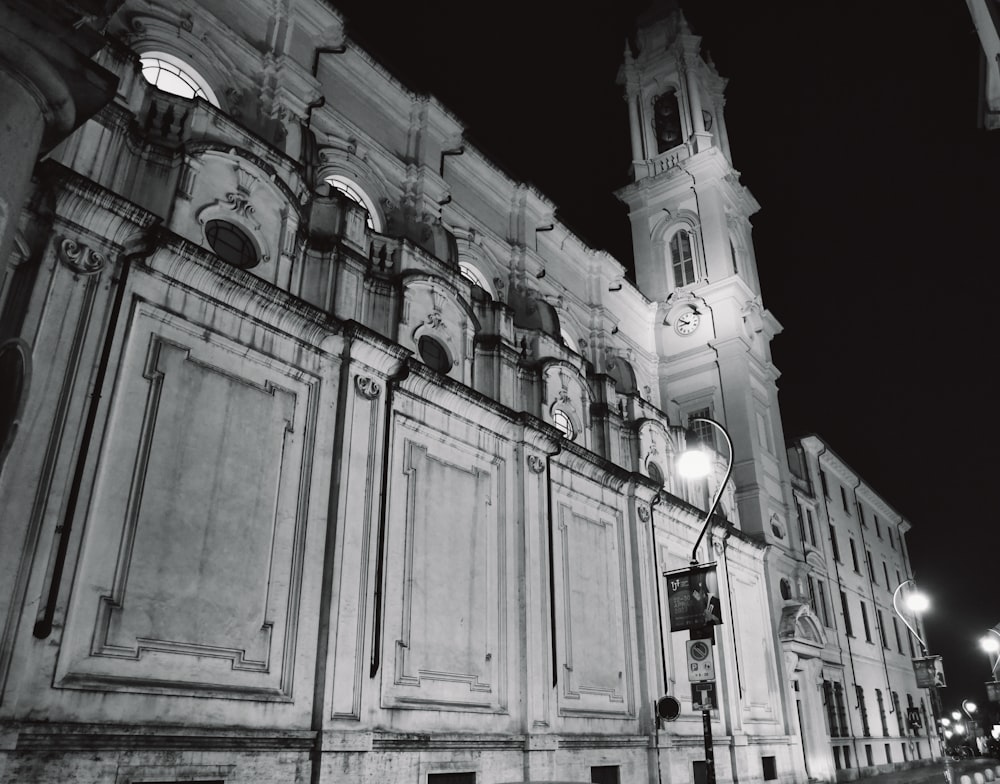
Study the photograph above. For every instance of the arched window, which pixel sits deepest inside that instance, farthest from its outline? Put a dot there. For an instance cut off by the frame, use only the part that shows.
(231, 244)
(174, 76)
(569, 341)
(654, 473)
(682, 258)
(353, 192)
(564, 424)
(475, 277)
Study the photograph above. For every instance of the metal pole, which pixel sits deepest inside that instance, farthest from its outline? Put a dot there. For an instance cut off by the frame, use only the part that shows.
(706, 723)
(721, 487)
(942, 741)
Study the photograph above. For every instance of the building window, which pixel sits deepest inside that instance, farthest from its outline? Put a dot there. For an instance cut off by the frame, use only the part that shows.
(801, 520)
(786, 588)
(871, 567)
(854, 555)
(843, 500)
(654, 473)
(433, 354)
(769, 767)
(471, 274)
(864, 621)
(881, 629)
(834, 545)
(868, 755)
(231, 244)
(878, 528)
(863, 709)
(682, 258)
(604, 774)
(831, 709)
(836, 757)
(564, 424)
(821, 598)
(885, 570)
(899, 714)
(892, 538)
(704, 433)
(909, 639)
(881, 711)
(174, 76)
(847, 757)
(451, 778)
(810, 527)
(822, 481)
(888, 753)
(811, 585)
(899, 640)
(847, 614)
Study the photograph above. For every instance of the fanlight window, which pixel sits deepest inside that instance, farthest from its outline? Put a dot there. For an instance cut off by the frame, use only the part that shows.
(174, 76)
(682, 258)
(475, 277)
(355, 194)
(564, 424)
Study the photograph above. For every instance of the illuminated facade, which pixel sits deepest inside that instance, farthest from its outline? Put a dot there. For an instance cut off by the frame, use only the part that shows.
(330, 454)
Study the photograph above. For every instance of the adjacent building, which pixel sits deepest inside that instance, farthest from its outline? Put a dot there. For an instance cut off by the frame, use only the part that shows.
(330, 454)
(854, 681)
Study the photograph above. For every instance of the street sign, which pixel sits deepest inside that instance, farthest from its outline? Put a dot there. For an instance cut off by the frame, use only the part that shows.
(701, 663)
(703, 696)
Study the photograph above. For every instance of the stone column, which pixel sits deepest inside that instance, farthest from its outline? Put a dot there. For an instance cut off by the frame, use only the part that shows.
(48, 86)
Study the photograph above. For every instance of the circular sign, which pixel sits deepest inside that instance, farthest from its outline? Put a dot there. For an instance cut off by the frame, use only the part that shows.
(668, 708)
(700, 651)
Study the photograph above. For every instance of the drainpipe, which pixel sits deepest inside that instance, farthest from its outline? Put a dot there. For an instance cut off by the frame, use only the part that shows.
(43, 626)
(390, 385)
(552, 557)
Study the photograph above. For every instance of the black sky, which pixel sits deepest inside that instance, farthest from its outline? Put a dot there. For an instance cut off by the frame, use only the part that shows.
(854, 124)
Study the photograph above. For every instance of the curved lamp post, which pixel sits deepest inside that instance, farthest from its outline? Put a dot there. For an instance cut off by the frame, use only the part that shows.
(918, 603)
(992, 646)
(697, 464)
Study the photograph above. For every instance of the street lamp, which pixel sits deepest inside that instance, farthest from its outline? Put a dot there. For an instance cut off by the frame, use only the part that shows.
(918, 603)
(697, 464)
(992, 646)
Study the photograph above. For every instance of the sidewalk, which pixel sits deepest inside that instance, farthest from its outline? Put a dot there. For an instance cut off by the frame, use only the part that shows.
(934, 773)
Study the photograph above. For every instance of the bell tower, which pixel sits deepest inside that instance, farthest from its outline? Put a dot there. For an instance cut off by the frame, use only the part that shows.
(694, 256)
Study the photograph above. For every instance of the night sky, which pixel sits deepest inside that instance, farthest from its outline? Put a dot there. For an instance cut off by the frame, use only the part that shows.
(854, 124)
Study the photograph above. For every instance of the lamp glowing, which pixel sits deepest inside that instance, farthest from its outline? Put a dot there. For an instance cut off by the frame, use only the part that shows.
(694, 464)
(918, 602)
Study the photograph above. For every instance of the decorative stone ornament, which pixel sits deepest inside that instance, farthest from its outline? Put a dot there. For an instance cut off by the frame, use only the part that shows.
(536, 464)
(367, 387)
(79, 258)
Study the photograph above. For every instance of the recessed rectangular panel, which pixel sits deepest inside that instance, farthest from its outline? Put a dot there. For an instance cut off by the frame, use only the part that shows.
(190, 569)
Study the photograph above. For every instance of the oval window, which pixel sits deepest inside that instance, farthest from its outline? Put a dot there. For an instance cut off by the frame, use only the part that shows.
(433, 354)
(786, 588)
(564, 424)
(231, 244)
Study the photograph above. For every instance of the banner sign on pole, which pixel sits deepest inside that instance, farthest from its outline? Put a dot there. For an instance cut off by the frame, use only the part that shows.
(993, 691)
(693, 598)
(929, 671)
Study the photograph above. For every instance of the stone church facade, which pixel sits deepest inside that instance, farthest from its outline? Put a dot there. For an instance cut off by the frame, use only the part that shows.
(330, 454)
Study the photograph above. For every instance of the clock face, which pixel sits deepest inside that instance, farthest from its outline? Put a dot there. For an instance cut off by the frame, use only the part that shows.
(687, 323)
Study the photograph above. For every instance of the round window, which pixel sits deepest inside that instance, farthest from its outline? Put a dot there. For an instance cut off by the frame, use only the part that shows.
(786, 588)
(564, 424)
(231, 244)
(433, 354)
